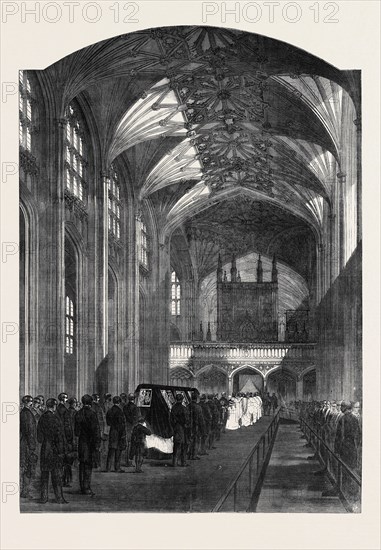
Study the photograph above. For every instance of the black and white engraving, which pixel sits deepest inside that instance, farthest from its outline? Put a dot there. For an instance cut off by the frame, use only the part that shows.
(190, 277)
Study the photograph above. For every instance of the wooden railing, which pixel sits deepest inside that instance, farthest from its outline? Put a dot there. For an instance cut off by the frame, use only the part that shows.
(347, 483)
(239, 493)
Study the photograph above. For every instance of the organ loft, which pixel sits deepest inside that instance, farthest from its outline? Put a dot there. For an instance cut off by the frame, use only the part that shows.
(247, 311)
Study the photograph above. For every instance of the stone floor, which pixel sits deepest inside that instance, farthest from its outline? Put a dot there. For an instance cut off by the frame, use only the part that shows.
(290, 484)
(161, 488)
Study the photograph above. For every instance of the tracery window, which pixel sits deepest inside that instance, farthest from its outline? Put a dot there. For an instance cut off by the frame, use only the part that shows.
(25, 111)
(114, 204)
(69, 326)
(143, 245)
(175, 294)
(75, 156)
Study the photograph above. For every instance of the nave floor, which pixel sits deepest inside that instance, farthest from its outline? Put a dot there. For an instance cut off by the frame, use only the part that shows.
(290, 484)
(161, 488)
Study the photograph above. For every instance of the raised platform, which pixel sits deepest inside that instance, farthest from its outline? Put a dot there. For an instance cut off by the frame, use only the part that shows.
(161, 488)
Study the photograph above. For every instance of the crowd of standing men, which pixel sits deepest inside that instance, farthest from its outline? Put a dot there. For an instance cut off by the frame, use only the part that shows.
(197, 426)
(57, 433)
(339, 425)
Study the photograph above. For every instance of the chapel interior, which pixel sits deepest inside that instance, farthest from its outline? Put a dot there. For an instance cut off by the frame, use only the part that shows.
(190, 214)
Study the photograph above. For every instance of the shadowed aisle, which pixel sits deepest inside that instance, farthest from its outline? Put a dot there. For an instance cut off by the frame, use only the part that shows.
(290, 484)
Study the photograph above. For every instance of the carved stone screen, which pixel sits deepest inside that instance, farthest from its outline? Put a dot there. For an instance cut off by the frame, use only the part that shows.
(247, 312)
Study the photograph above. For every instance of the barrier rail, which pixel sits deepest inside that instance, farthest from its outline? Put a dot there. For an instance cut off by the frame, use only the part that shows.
(238, 495)
(347, 482)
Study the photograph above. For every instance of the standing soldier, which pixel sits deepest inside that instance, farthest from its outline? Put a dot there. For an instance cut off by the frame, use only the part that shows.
(50, 435)
(267, 403)
(179, 422)
(42, 403)
(214, 423)
(348, 436)
(36, 408)
(65, 417)
(224, 407)
(131, 413)
(207, 416)
(218, 406)
(28, 444)
(117, 436)
(197, 427)
(274, 402)
(72, 409)
(97, 408)
(86, 428)
(107, 404)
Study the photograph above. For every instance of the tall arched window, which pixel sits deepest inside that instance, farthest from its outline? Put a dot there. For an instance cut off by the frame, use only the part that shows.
(143, 244)
(175, 294)
(71, 318)
(69, 325)
(25, 111)
(75, 156)
(114, 204)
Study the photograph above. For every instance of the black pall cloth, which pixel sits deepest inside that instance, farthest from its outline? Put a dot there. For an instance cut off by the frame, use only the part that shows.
(157, 414)
(117, 422)
(50, 435)
(86, 428)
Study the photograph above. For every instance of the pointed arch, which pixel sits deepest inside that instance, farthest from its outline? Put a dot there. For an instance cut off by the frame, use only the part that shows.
(256, 370)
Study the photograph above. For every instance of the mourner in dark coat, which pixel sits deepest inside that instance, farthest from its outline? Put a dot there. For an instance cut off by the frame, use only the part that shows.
(50, 435)
(207, 415)
(274, 402)
(138, 443)
(117, 436)
(224, 409)
(66, 419)
(180, 423)
(86, 428)
(42, 403)
(28, 445)
(197, 428)
(98, 409)
(72, 410)
(267, 403)
(214, 422)
(131, 413)
(348, 437)
(36, 408)
(218, 406)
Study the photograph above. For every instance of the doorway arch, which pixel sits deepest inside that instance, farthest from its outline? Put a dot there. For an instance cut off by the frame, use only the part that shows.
(246, 379)
(309, 385)
(283, 384)
(212, 379)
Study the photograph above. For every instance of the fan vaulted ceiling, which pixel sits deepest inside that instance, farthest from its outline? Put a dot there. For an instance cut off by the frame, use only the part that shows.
(219, 122)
